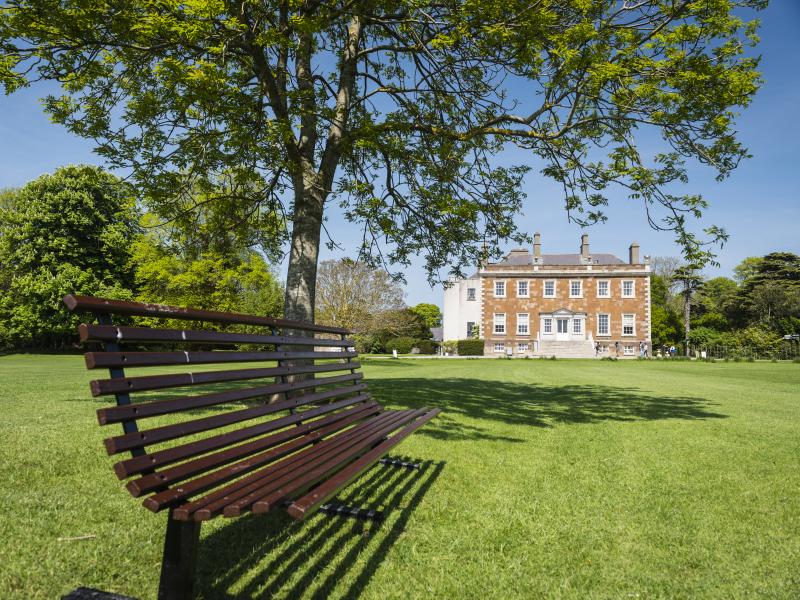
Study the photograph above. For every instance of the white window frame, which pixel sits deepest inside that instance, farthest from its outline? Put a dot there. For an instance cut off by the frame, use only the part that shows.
(577, 326)
(472, 294)
(608, 288)
(499, 320)
(632, 318)
(608, 324)
(580, 288)
(547, 325)
(499, 282)
(522, 347)
(527, 293)
(628, 350)
(500, 347)
(527, 324)
(633, 288)
(544, 288)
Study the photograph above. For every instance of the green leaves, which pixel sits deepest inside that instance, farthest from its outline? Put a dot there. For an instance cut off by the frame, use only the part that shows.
(403, 123)
(68, 232)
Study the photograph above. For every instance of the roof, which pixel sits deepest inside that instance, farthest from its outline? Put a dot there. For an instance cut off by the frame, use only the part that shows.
(523, 257)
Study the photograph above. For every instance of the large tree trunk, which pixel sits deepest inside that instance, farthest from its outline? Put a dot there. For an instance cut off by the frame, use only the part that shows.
(301, 278)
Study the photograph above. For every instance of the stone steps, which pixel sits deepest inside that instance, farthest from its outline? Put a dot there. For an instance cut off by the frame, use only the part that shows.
(570, 349)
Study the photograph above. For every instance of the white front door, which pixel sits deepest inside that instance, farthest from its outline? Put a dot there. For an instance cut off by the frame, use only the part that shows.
(562, 329)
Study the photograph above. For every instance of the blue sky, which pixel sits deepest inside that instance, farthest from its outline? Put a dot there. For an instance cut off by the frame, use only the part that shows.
(759, 204)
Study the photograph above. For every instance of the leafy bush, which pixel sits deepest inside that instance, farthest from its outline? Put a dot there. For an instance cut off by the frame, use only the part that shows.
(369, 344)
(449, 346)
(426, 346)
(470, 347)
(403, 345)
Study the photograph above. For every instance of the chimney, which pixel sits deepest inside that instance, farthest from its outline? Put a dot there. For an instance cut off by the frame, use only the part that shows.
(484, 256)
(537, 248)
(633, 254)
(585, 258)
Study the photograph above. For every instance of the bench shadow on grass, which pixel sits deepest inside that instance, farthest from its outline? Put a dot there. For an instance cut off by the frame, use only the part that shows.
(271, 555)
(529, 405)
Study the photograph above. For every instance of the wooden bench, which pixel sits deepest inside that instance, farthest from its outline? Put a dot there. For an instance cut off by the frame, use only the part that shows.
(227, 449)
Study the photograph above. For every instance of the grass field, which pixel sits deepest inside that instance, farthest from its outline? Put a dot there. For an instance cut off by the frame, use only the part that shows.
(542, 479)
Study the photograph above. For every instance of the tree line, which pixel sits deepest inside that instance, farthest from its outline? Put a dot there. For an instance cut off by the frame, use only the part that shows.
(82, 230)
(755, 310)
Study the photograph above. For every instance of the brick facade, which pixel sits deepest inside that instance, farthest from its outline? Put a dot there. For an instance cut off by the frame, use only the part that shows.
(564, 306)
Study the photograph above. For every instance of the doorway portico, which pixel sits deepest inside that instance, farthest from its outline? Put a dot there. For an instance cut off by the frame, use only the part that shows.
(562, 325)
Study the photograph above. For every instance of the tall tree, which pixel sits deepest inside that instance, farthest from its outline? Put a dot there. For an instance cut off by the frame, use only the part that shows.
(69, 231)
(408, 102)
(355, 295)
(690, 280)
(430, 313)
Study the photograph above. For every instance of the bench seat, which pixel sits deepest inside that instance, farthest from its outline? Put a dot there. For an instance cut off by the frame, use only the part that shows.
(288, 430)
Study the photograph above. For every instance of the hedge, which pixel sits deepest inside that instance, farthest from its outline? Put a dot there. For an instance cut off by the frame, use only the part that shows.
(470, 347)
(403, 345)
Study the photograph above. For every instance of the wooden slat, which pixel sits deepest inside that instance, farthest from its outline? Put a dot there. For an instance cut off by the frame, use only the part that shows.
(202, 508)
(153, 460)
(213, 504)
(142, 410)
(96, 360)
(273, 491)
(147, 437)
(306, 505)
(288, 441)
(111, 333)
(77, 303)
(102, 387)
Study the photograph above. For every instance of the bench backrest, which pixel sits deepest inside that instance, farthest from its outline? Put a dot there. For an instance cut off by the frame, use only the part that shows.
(298, 381)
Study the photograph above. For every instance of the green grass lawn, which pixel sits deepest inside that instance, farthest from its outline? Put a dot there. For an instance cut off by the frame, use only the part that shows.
(552, 479)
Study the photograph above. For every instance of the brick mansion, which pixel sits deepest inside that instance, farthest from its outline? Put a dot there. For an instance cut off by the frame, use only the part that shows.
(565, 305)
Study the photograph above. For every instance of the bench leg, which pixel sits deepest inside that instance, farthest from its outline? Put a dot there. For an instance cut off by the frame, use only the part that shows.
(178, 564)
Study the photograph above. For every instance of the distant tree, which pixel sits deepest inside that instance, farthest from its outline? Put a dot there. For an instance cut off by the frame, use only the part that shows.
(665, 267)
(69, 231)
(188, 275)
(713, 303)
(354, 295)
(397, 109)
(430, 313)
(770, 294)
(746, 269)
(664, 320)
(689, 278)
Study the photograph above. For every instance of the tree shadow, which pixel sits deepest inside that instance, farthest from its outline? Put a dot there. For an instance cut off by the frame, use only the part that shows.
(529, 404)
(272, 555)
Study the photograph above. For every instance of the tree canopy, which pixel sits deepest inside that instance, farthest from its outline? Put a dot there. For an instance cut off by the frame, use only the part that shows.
(391, 112)
(69, 231)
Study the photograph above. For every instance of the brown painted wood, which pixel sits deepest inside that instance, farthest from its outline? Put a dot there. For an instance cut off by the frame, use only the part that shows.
(268, 495)
(107, 360)
(213, 505)
(147, 437)
(112, 333)
(258, 452)
(153, 460)
(306, 505)
(144, 410)
(127, 385)
(78, 303)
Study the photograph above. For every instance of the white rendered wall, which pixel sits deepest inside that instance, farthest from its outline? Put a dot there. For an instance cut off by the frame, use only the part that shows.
(458, 311)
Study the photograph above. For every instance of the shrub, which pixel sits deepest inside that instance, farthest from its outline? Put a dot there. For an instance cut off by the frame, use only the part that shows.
(470, 347)
(449, 346)
(426, 346)
(403, 345)
(369, 344)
